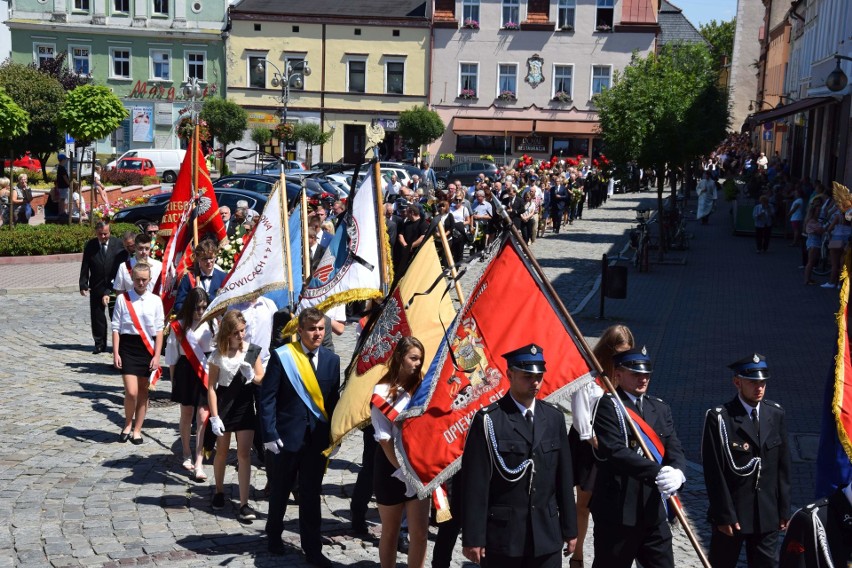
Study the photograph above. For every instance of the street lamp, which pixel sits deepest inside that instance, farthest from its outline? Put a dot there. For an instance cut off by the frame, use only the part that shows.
(759, 105)
(293, 76)
(837, 79)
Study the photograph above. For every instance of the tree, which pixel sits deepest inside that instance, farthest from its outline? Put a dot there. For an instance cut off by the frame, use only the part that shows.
(55, 67)
(721, 38)
(261, 136)
(41, 97)
(420, 126)
(664, 109)
(91, 112)
(13, 119)
(312, 135)
(226, 120)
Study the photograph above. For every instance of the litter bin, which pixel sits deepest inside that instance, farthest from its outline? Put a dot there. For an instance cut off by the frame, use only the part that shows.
(616, 282)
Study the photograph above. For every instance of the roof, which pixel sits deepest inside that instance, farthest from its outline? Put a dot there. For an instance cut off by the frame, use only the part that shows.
(638, 12)
(675, 27)
(360, 9)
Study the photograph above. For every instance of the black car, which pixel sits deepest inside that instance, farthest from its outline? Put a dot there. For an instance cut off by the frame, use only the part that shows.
(260, 183)
(467, 173)
(156, 206)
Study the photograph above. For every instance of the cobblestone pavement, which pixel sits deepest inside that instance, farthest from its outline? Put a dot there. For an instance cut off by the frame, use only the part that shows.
(70, 495)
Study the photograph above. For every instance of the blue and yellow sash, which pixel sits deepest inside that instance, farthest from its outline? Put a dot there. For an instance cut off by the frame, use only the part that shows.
(301, 374)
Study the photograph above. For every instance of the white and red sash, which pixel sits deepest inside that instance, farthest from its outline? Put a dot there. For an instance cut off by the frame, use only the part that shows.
(147, 340)
(192, 350)
(384, 406)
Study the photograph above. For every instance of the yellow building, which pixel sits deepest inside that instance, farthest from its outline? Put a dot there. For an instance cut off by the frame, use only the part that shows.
(365, 68)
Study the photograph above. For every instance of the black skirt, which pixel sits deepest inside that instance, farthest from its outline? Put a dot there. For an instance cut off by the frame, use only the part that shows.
(582, 461)
(135, 359)
(187, 388)
(388, 490)
(236, 405)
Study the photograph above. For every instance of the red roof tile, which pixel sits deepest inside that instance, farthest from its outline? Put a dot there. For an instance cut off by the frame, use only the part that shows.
(639, 12)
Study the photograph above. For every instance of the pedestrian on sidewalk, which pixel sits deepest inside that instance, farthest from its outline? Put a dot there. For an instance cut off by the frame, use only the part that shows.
(628, 502)
(839, 230)
(814, 230)
(763, 214)
(796, 215)
(746, 460)
(705, 190)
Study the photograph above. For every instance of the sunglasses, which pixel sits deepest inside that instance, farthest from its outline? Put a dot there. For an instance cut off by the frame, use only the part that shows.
(152, 232)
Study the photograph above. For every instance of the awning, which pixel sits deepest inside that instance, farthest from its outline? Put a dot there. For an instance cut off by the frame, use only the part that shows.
(565, 127)
(792, 108)
(491, 126)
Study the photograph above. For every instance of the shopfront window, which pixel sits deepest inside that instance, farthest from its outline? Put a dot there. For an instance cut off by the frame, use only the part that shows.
(471, 144)
(570, 147)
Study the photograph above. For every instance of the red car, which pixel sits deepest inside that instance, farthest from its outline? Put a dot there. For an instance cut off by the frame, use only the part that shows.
(25, 161)
(142, 166)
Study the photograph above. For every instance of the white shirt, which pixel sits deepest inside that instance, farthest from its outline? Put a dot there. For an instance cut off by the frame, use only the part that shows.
(228, 366)
(206, 341)
(315, 359)
(149, 309)
(459, 212)
(123, 280)
(749, 408)
(582, 403)
(524, 410)
(258, 315)
(385, 428)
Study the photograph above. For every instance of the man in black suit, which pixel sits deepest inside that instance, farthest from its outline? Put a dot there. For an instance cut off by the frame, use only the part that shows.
(101, 256)
(747, 470)
(297, 399)
(628, 501)
(518, 507)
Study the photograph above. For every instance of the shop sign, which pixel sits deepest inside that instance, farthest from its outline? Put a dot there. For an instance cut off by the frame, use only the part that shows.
(257, 118)
(530, 144)
(155, 91)
(389, 124)
(163, 114)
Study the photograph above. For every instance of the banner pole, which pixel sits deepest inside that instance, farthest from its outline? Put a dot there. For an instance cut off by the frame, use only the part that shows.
(450, 261)
(285, 217)
(306, 249)
(195, 146)
(383, 232)
(607, 383)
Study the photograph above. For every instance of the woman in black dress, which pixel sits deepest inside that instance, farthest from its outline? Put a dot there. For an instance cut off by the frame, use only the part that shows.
(411, 235)
(393, 495)
(189, 388)
(234, 370)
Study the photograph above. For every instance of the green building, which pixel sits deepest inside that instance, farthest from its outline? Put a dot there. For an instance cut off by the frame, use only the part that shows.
(144, 50)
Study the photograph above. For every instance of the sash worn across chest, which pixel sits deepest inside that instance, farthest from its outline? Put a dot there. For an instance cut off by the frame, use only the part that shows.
(147, 340)
(192, 350)
(384, 406)
(301, 375)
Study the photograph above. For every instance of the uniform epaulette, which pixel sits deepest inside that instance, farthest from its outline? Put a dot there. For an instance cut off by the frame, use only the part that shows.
(655, 399)
(489, 408)
(816, 504)
(772, 403)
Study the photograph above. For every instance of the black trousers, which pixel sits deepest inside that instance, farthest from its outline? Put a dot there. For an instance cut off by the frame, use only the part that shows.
(281, 470)
(99, 322)
(556, 217)
(762, 236)
(617, 546)
(363, 491)
(553, 560)
(448, 531)
(760, 549)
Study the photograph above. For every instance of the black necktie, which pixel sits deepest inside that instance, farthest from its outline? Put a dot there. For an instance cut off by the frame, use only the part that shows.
(755, 421)
(530, 422)
(104, 249)
(310, 355)
(639, 406)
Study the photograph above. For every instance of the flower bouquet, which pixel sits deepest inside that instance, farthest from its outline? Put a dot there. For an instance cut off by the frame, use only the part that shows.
(603, 28)
(508, 96)
(562, 97)
(467, 94)
(511, 26)
(470, 24)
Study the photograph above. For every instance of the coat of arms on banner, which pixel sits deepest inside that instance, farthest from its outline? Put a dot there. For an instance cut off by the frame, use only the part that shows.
(480, 377)
(535, 71)
(391, 326)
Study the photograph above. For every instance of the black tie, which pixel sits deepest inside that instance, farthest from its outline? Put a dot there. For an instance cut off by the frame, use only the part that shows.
(310, 355)
(639, 406)
(755, 421)
(104, 249)
(530, 422)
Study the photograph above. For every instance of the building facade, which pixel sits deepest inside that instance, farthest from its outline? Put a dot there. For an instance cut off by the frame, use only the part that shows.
(144, 50)
(369, 61)
(515, 77)
(742, 84)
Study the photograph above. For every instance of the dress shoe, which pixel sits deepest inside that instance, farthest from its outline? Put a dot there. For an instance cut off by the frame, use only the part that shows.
(97, 350)
(275, 546)
(123, 437)
(137, 441)
(319, 560)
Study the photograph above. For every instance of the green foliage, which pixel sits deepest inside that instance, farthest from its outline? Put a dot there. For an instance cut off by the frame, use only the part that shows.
(91, 112)
(721, 37)
(449, 156)
(420, 126)
(13, 119)
(311, 134)
(226, 120)
(37, 240)
(42, 97)
(261, 135)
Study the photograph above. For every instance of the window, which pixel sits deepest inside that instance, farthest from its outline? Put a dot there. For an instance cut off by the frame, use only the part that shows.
(120, 63)
(507, 78)
(470, 10)
(80, 63)
(468, 79)
(600, 78)
(296, 66)
(121, 6)
(357, 76)
(511, 13)
(565, 12)
(394, 77)
(43, 52)
(562, 79)
(81, 5)
(161, 68)
(196, 65)
(257, 71)
(605, 14)
(161, 7)
(469, 144)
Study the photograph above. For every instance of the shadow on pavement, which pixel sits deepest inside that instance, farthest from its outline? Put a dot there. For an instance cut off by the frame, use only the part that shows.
(68, 347)
(104, 368)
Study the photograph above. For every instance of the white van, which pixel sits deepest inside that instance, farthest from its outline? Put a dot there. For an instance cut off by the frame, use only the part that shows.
(166, 162)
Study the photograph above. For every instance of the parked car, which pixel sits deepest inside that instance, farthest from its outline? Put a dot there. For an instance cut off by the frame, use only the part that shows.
(142, 166)
(166, 162)
(156, 206)
(291, 167)
(467, 173)
(259, 183)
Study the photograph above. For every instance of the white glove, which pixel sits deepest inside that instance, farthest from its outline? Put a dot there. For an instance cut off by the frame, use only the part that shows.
(669, 480)
(217, 426)
(410, 490)
(274, 447)
(248, 371)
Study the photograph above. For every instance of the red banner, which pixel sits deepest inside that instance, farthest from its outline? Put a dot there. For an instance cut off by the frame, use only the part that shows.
(507, 309)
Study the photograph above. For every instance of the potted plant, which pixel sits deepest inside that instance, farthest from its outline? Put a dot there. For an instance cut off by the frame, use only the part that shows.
(470, 24)
(486, 158)
(603, 28)
(508, 96)
(562, 97)
(467, 94)
(511, 26)
(567, 28)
